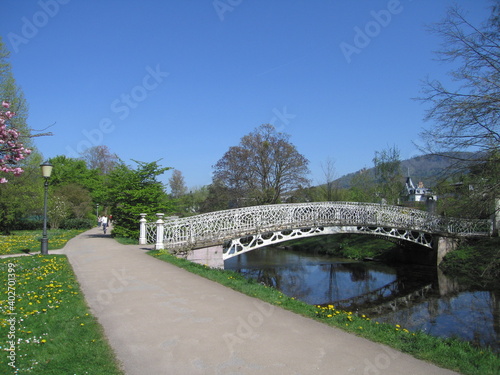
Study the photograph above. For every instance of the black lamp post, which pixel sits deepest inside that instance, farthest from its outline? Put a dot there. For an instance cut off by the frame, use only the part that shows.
(46, 172)
(97, 211)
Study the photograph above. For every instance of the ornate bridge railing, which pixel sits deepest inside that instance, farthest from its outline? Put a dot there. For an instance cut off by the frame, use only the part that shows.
(215, 228)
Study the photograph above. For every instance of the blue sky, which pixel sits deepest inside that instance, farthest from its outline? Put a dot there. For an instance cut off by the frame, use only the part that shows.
(184, 80)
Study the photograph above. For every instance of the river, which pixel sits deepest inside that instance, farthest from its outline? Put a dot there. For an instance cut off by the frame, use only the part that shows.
(416, 297)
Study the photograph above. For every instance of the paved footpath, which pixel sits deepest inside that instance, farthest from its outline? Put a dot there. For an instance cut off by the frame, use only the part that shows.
(163, 320)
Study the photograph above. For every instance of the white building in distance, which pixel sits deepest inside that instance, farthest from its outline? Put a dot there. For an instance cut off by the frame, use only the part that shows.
(417, 194)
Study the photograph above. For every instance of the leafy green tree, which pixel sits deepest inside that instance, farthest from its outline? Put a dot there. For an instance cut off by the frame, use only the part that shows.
(77, 198)
(75, 171)
(22, 197)
(178, 193)
(177, 185)
(136, 191)
(58, 210)
(196, 197)
(219, 197)
(70, 170)
(362, 187)
(190, 203)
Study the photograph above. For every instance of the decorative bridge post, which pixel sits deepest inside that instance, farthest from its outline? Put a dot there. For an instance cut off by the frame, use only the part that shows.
(142, 230)
(159, 232)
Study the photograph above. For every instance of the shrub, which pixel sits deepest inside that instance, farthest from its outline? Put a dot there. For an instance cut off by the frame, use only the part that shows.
(124, 232)
(28, 224)
(78, 224)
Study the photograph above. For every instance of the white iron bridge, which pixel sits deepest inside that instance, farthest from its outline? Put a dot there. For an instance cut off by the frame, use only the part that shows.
(248, 228)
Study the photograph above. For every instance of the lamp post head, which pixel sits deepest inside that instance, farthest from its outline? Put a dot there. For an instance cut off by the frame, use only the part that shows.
(46, 169)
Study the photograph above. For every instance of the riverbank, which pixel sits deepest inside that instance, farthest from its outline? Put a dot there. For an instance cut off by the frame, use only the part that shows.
(349, 246)
(449, 353)
(475, 262)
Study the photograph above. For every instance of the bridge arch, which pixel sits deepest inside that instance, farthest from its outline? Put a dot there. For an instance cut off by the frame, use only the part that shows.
(237, 246)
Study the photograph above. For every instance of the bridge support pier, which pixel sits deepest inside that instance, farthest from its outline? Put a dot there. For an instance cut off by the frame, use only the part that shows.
(208, 256)
(442, 246)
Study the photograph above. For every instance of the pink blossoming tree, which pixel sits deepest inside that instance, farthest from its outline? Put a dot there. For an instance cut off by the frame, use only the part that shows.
(12, 149)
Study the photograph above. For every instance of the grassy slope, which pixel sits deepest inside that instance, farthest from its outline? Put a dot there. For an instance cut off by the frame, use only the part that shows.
(476, 262)
(344, 246)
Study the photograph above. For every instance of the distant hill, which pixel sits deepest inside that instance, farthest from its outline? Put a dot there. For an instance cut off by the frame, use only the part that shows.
(426, 168)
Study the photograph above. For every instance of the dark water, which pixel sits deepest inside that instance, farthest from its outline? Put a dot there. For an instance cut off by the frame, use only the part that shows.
(416, 297)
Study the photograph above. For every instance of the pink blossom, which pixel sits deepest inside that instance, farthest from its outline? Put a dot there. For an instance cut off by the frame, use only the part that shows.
(17, 171)
(11, 150)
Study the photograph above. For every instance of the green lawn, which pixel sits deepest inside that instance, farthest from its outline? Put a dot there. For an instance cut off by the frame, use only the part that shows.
(30, 240)
(45, 324)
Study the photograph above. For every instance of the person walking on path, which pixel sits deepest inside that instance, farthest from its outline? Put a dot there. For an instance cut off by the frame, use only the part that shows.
(104, 222)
